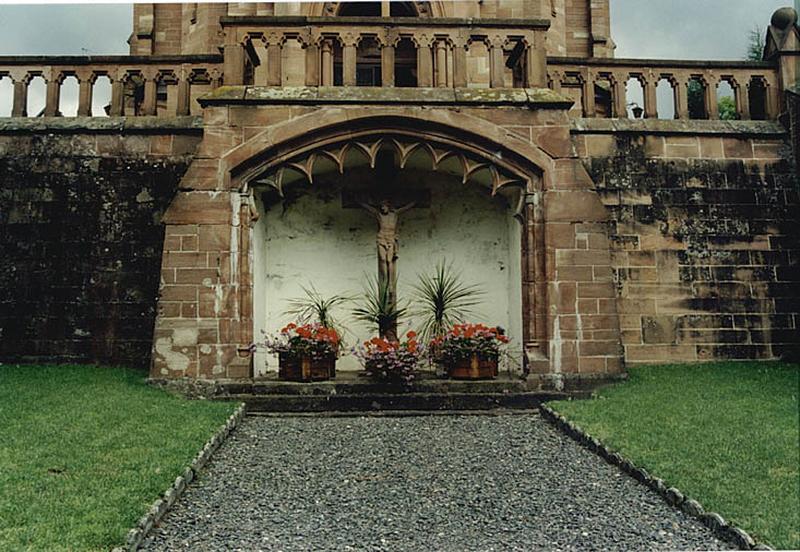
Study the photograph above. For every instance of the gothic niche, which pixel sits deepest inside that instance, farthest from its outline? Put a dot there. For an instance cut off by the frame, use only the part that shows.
(385, 208)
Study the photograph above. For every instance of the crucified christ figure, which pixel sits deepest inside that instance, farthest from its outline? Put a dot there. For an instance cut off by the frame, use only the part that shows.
(387, 218)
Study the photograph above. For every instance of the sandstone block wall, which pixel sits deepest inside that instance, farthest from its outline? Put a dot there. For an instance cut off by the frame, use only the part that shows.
(705, 241)
(81, 238)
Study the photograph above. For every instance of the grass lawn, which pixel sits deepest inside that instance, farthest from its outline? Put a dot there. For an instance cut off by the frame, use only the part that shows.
(726, 434)
(85, 450)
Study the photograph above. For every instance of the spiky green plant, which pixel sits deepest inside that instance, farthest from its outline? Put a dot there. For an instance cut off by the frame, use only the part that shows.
(377, 308)
(316, 308)
(443, 300)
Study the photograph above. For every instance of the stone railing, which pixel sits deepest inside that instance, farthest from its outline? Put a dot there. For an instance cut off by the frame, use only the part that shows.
(601, 87)
(385, 52)
(140, 85)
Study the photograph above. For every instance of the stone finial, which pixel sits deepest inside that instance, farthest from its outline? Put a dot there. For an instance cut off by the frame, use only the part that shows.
(783, 18)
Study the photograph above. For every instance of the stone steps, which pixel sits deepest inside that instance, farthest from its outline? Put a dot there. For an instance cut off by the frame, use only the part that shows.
(393, 402)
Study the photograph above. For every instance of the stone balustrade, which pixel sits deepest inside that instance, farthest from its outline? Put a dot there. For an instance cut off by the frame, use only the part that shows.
(600, 86)
(385, 52)
(140, 85)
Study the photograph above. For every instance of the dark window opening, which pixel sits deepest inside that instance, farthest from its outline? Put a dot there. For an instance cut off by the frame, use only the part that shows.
(360, 9)
(368, 63)
(697, 99)
(405, 64)
(757, 96)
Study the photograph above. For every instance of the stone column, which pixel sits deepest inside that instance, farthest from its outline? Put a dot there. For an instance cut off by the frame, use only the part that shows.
(650, 97)
(349, 59)
(52, 94)
(274, 43)
(681, 91)
(742, 101)
(496, 62)
(424, 61)
(312, 64)
(85, 84)
(117, 94)
(233, 66)
(387, 62)
(20, 106)
(441, 63)
(589, 109)
(327, 62)
(556, 77)
(618, 97)
(536, 62)
(710, 93)
(149, 106)
(460, 46)
(184, 92)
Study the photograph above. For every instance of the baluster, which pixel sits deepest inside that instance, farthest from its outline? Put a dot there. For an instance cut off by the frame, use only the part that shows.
(424, 61)
(327, 62)
(441, 63)
(20, 106)
(52, 93)
(650, 96)
(589, 108)
(496, 62)
(349, 59)
(184, 93)
(460, 47)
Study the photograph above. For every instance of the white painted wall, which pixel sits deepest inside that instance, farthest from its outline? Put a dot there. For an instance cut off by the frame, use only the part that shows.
(317, 242)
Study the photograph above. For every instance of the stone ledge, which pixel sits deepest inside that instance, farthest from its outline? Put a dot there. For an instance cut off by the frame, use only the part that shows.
(150, 124)
(541, 98)
(764, 129)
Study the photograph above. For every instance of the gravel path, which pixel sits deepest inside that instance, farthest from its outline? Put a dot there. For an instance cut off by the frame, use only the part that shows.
(449, 483)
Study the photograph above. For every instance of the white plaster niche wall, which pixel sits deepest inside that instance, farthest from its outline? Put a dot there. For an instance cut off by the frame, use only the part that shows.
(311, 240)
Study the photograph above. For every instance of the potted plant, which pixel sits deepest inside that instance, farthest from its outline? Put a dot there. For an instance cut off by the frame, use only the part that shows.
(442, 300)
(470, 351)
(317, 310)
(391, 361)
(306, 352)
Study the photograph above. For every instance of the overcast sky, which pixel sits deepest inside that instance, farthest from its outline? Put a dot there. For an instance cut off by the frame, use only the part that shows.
(673, 29)
(688, 29)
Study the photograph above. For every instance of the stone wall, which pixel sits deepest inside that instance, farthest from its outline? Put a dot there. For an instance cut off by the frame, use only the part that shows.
(705, 234)
(81, 235)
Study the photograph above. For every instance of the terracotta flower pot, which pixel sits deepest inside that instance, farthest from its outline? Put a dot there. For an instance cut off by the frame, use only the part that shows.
(473, 368)
(306, 368)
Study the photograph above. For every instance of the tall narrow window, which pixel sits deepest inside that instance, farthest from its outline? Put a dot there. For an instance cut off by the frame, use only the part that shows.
(368, 63)
(405, 63)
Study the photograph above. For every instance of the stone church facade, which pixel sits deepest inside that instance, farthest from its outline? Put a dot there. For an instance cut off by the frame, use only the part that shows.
(171, 232)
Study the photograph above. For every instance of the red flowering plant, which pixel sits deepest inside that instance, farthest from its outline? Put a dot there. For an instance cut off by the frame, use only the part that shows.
(313, 340)
(464, 340)
(391, 361)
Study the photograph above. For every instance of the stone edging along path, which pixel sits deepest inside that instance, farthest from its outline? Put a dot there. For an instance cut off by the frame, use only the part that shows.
(671, 495)
(160, 507)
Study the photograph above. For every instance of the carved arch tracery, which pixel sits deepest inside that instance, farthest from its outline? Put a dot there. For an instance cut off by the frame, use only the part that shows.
(464, 162)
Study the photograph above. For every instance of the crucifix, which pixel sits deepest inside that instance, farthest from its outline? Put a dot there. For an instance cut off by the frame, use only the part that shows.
(381, 205)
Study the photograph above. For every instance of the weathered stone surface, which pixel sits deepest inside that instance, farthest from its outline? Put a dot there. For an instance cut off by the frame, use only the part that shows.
(81, 240)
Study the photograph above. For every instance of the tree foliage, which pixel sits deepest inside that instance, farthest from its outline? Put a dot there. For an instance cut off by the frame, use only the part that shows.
(755, 44)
